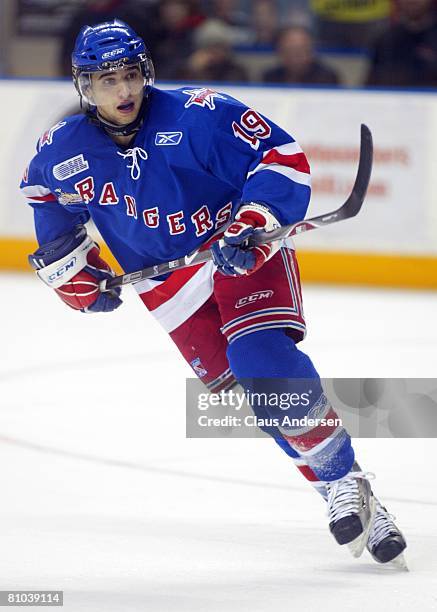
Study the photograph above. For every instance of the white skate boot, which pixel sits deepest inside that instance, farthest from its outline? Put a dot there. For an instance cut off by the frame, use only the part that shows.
(351, 509)
(386, 543)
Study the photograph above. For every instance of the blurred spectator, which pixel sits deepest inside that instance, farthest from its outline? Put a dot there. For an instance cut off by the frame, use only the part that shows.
(298, 5)
(264, 23)
(298, 62)
(297, 13)
(4, 39)
(170, 34)
(213, 59)
(229, 11)
(167, 27)
(2, 61)
(405, 55)
(350, 24)
(93, 12)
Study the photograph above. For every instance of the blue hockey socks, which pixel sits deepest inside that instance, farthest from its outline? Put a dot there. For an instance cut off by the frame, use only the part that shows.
(283, 385)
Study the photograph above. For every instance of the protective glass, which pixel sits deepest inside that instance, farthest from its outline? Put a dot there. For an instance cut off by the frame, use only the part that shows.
(109, 88)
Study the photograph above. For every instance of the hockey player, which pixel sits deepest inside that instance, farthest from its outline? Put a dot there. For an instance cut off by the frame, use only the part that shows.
(162, 173)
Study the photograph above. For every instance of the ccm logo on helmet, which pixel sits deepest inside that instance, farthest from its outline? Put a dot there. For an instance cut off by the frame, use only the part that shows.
(62, 270)
(113, 53)
(253, 297)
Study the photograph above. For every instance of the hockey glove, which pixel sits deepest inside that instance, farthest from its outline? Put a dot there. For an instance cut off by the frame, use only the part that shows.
(231, 254)
(71, 265)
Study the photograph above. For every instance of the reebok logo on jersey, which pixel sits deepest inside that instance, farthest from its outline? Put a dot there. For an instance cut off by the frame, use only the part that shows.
(168, 138)
(70, 167)
(253, 297)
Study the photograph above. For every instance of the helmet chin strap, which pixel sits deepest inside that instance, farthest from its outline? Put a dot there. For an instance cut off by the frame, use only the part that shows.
(119, 130)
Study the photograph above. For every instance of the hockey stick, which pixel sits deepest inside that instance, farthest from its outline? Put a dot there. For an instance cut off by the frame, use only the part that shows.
(349, 209)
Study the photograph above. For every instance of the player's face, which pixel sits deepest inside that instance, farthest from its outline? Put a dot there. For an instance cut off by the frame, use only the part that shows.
(118, 94)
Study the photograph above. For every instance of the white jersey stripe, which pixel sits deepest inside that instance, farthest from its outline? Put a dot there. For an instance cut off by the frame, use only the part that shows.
(35, 191)
(298, 177)
(291, 148)
(147, 285)
(190, 297)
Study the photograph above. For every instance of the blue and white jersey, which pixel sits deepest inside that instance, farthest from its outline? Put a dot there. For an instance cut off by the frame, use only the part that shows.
(197, 156)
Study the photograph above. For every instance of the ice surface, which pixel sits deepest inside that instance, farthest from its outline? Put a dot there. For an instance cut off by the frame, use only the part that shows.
(102, 496)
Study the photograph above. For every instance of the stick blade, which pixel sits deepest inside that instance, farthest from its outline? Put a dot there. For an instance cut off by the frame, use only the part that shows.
(355, 201)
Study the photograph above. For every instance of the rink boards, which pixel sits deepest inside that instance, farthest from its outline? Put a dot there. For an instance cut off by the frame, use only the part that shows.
(393, 242)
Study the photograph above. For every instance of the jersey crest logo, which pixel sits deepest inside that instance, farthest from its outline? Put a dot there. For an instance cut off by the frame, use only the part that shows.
(168, 138)
(67, 198)
(202, 97)
(197, 366)
(70, 167)
(47, 137)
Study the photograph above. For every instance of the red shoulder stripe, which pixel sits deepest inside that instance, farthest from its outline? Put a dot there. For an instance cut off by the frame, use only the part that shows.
(298, 161)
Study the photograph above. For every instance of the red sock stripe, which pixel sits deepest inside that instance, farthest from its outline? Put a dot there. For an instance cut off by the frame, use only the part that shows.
(315, 436)
(308, 473)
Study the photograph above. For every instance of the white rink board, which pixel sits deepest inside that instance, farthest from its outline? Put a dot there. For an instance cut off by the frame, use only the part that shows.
(399, 215)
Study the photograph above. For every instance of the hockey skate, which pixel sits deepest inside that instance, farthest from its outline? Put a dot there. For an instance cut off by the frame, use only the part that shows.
(386, 543)
(351, 509)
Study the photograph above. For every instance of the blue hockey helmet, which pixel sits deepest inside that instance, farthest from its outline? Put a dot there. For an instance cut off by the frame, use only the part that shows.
(108, 46)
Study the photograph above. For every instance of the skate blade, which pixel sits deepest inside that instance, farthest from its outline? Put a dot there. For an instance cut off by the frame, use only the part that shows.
(358, 545)
(399, 563)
